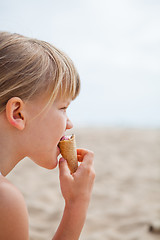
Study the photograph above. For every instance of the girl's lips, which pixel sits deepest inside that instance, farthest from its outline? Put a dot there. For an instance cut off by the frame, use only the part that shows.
(65, 138)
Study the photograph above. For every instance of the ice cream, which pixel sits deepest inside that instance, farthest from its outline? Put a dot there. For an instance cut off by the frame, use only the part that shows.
(68, 150)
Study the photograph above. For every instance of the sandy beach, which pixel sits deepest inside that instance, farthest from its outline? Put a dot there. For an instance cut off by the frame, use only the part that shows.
(126, 194)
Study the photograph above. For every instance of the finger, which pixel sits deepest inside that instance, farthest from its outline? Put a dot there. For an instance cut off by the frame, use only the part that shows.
(82, 152)
(85, 155)
(63, 167)
(80, 158)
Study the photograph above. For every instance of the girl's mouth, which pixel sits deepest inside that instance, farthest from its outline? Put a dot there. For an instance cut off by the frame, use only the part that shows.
(66, 138)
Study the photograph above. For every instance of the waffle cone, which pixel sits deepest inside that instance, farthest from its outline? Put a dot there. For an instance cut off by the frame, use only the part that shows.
(69, 152)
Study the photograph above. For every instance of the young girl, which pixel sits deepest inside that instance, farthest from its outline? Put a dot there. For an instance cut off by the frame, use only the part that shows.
(37, 84)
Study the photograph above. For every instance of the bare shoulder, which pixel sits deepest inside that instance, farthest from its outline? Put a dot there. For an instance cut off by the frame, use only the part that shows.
(13, 212)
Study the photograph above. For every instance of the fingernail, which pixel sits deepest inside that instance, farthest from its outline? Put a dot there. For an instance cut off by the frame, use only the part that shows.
(61, 159)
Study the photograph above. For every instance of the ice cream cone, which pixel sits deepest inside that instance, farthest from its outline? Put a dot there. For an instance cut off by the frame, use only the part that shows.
(69, 152)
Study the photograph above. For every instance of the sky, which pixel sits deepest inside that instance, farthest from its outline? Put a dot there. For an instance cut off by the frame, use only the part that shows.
(115, 46)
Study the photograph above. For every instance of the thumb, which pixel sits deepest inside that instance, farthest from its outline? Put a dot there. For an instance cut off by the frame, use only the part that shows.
(63, 167)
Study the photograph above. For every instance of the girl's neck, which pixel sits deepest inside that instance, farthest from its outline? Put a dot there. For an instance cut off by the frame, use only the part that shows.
(8, 158)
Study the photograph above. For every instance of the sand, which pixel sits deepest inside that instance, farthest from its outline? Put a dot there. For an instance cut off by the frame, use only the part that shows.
(126, 194)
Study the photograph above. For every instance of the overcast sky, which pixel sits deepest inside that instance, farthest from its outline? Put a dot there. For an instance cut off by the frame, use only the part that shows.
(115, 46)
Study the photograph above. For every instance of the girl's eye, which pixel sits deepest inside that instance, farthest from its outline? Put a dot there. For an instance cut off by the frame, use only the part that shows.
(64, 108)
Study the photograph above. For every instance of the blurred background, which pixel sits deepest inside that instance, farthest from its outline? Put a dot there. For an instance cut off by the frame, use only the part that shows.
(115, 46)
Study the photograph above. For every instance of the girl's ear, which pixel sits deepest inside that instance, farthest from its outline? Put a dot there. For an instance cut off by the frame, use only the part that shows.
(15, 113)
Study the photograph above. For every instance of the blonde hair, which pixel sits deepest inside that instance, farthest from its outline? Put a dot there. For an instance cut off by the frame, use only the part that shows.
(30, 67)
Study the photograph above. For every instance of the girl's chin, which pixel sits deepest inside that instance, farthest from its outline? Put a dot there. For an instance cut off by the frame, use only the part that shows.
(51, 161)
(51, 166)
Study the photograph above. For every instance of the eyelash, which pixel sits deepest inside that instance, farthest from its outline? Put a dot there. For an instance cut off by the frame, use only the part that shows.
(64, 108)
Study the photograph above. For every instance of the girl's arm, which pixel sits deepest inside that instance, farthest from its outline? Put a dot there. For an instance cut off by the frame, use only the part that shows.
(76, 190)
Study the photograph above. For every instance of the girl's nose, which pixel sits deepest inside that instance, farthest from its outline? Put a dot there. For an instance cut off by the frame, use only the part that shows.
(69, 124)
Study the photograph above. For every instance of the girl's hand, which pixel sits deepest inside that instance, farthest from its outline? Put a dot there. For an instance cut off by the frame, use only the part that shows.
(77, 187)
